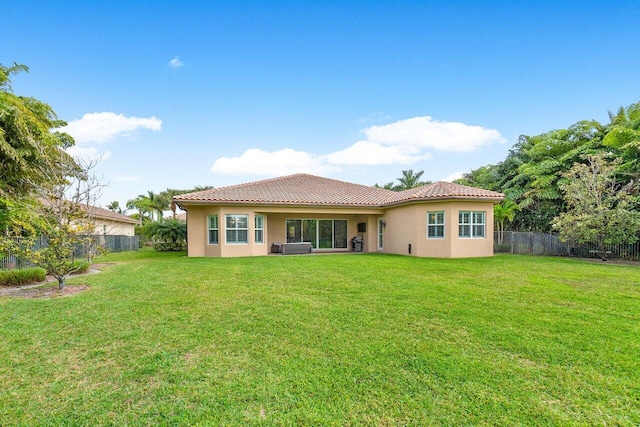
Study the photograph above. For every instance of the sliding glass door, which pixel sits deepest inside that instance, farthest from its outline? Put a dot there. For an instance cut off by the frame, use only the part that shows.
(321, 233)
(309, 231)
(340, 234)
(325, 239)
(294, 231)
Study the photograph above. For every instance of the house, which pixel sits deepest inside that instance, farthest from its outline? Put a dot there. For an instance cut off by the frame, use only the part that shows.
(111, 223)
(437, 220)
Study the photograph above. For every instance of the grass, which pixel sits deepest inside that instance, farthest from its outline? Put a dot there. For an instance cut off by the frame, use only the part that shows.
(161, 339)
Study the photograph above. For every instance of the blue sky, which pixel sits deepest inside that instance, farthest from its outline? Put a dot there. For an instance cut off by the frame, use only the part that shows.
(179, 94)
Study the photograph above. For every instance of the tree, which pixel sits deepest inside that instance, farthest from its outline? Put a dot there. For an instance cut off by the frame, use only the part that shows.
(502, 212)
(387, 186)
(143, 204)
(63, 222)
(158, 204)
(623, 138)
(167, 196)
(32, 152)
(171, 234)
(408, 180)
(598, 210)
(114, 207)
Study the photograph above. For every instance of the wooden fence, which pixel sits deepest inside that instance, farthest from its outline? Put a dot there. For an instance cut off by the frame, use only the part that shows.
(531, 243)
(110, 243)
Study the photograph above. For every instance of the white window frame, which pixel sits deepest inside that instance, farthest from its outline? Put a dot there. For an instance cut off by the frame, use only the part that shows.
(236, 229)
(258, 222)
(213, 227)
(474, 225)
(437, 224)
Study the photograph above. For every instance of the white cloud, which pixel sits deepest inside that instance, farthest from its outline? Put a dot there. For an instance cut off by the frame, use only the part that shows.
(453, 177)
(88, 153)
(403, 142)
(258, 162)
(103, 127)
(426, 133)
(175, 63)
(127, 178)
(373, 153)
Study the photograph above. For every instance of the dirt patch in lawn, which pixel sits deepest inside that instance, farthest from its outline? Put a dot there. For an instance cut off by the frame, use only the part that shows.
(48, 291)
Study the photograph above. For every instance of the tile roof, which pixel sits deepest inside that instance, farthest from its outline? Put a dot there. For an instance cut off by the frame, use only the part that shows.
(113, 216)
(303, 189)
(443, 190)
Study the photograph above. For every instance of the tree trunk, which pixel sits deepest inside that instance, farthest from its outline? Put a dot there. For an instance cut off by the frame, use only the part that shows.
(61, 282)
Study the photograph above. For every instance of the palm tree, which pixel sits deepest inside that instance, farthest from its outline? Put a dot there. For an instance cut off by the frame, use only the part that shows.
(142, 203)
(114, 207)
(409, 179)
(158, 203)
(623, 136)
(168, 194)
(504, 211)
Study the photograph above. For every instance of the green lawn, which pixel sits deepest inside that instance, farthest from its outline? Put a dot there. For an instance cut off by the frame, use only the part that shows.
(160, 339)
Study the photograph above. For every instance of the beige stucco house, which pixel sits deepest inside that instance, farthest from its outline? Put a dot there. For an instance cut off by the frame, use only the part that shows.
(107, 222)
(325, 215)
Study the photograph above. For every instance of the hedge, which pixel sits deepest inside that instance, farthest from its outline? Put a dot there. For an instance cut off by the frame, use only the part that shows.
(21, 277)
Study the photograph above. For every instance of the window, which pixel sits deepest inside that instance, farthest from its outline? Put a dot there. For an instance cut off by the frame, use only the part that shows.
(435, 225)
(471, 224)
(259, 229)
(213, 230)
(237, 228)
(381, 225)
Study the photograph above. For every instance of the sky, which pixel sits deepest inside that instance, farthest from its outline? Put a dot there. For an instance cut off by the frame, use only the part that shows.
(191, 93)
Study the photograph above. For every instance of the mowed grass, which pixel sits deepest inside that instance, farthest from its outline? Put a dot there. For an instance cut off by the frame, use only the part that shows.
(161, 339)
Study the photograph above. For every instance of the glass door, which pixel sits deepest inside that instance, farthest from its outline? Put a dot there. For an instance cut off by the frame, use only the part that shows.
(294, 231)
(325, 234)
(340, 233)
(309, 232)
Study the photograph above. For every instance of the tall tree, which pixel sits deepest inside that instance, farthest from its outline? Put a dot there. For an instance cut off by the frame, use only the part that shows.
(158, 204)
(142, 204)
(114, 207)
(504, 212)
(168, 194)
(531, 175)
(623, 137)
(408, 180)
(32, 152)
(598, 210)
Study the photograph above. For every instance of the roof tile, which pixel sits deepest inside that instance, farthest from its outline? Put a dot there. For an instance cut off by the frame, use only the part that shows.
(304, 189)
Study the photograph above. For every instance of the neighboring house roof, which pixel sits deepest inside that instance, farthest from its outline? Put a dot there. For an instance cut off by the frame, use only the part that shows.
(110, 215)
(303, 189)
(180, 217)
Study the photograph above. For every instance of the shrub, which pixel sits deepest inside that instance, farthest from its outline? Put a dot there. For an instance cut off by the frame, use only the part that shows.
(168, 246)
(81, 266)
(502, 247)
(21, 277)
